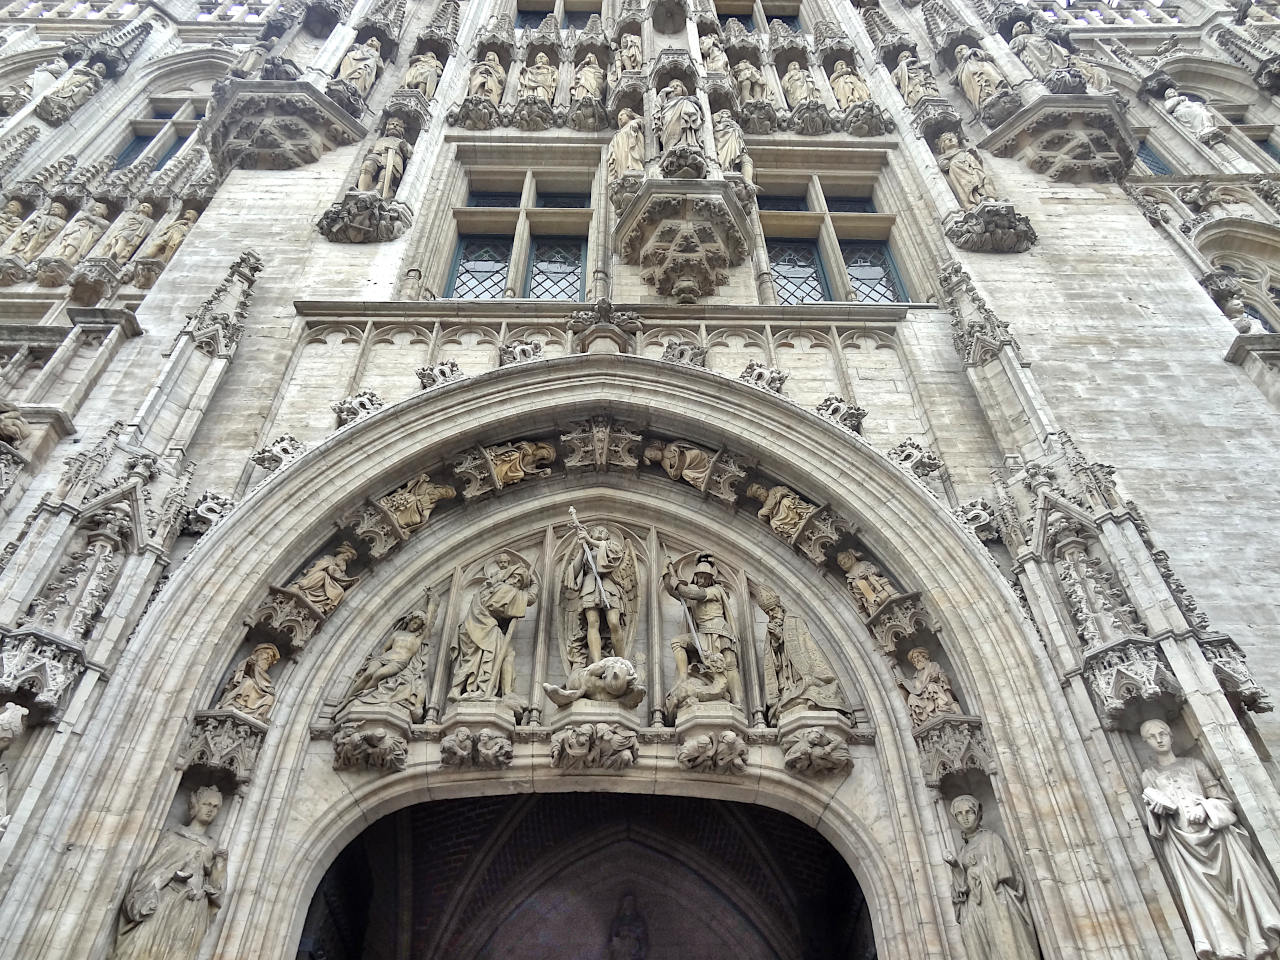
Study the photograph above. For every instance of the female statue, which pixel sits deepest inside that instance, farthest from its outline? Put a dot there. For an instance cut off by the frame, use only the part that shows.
(1231, 902)
(250, 689)
(681, 116)
(626, 149)
(848, 86)
(965, 172)
(424, 74)
(325, 582)
(978, 76)
(987, 892)
(488, 79)
(482, 655)
(588, 80)
(539, 79)
(173, 898)
(361, 65)
(798, 85)
(731, 145)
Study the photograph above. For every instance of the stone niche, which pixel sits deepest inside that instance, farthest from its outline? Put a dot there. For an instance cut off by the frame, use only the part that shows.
(1071, 138)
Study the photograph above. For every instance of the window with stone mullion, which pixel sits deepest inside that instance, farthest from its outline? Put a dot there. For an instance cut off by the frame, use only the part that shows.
(480, 268)
(873, 276)
(556, 268)
(797, 271)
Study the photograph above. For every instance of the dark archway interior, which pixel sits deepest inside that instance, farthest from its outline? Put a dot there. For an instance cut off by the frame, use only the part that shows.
(588, 876)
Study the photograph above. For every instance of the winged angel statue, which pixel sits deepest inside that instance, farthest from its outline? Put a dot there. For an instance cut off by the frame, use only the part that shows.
(599, 587)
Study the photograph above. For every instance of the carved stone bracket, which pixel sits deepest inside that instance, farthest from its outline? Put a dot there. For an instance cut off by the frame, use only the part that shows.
(38, 668)
(356, 407)
(813, 118)
(866, 119)
(475, 113)
(1233, 673)
(1070, 138)
(951, 746)
(915, 458)
(766, 378)
(439, 374)
(1125, 673)
(477, 736)
(841, 411)
(358, 745)
(376, 526)
(683, 351)
(602, 329)
(976, 331)
(712, 738)
(290, 616)
(815, 743)
(279, 452)
(97, 278)
(991, 227)
(594, 746)
(209, 510)
(897, 621)
(478, 468)
(364, 216)
(600, 443)
(224, 742)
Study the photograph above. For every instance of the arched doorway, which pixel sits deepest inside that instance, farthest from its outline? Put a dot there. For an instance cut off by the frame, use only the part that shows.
(588, 876)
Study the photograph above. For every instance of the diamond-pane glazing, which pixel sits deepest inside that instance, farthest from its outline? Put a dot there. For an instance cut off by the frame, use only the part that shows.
(481, 273)
(797, 271)
(871, 273)
(555, 268)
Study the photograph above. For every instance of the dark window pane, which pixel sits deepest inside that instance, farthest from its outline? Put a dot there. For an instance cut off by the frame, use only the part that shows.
(797, 271)
(1253, 311)
(132, 150)
(577, 19)
(850, 205)
(480, 271)
(490, 198)
(775, 202)
(792, 22)
(1269, 148)
(530, 19)
(173, 149)
(1152, 160)
(564, 200)
(745, 19)
(555, 268)
(871, 272)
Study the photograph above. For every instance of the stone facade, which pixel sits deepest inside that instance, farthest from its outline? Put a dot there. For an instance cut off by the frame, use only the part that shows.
(855, 410)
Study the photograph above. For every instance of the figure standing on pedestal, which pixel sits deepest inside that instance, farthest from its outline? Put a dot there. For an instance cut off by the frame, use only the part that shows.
(539, 79)
(965, 172)
(630, 52)
(913, 80)
(750, 81)
(977, 75)
(796, 673)
(36, 234)
(626, 149)
(488, 79)
(588, 80)
(731, 145)
(482, 654)
(680, 118)
(598, 589)
(165, 244)
(361, 65)
(713, 56)
(81, 233)
(128, 233)
(848, 86)
(708, 611)
(383, 166)
(798, 85)
(424, 74)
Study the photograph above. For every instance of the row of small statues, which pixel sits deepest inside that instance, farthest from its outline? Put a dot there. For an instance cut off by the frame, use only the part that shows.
(55, 234)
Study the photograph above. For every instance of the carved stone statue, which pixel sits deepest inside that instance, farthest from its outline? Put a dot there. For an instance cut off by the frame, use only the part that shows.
(129, 231)
(628, 933)
(517, 461)
(539, 79)
(588, 80)
(731, 145)
(783, 508)
(488, 79)
(14, 429)
(626, 149)
(987, 892)
(680, 460)
(914, 80)
(71, 92)
(81, 234)
(797, 675)
(868, 584)
(599, 588)
(250, 689)
(173, 898)
(325, 582)
(395, 674)
(43, 77)
(814, 752)
(848, 86)
(713, 56)
(1193, 115)
(630, 52)
(383, 165)
(251, 59)
(361, 65)
(929, 691)
(708, 607)
(965, 172)
(798, 85)
(411, 505)
(482, 654)
(612, 679)
(10, 219)
(12, 719)
(165, 244)
(681, 118)
(750, 81)
(424, 73)
(1040, 55)
(977, 75)
(34, 235)
(1232, 905)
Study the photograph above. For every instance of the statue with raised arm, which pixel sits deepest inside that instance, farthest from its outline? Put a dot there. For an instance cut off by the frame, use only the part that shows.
(482, 654)
(599, 592)
(847, 85)
(913, 79)
(707, 607)
(588, 80)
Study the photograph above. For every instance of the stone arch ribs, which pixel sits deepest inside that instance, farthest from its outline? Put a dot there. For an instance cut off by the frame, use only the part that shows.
(192, 630)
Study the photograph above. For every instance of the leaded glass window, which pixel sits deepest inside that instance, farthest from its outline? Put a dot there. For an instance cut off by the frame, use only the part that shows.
(1153, 161)
(480, 269)
(871, 271)
(174, 147)
(797, 271)
(555, 268)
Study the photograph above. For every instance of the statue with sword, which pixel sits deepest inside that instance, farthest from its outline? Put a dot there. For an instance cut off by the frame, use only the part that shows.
(711, 638)
(599, 590)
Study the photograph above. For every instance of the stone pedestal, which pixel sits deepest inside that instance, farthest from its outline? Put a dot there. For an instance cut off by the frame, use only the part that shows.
(477, 735)
(815, 742)
(593, 734)
(712, 738)
(371, 736)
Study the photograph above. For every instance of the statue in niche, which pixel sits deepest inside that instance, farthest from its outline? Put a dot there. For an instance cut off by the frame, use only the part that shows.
(798, 85)
(680, 460)
(1193, 115)
(965, 172)
(626, 149)
(707, 612)
(383, 165)
(1232, 904)
(681, 117)
(612, 679)
(73, 90)
(488, 79)
(750, 81)
(10, 219)
(34, 235)
(325, 582)
(361, 65)
(713, 56)
(411, 505)
(41, 79)
(914, 81)
(128, 233)
(783, 508)
(588, 80)
(929, 691)
(987, 892)
(977, 75)
(513, 462)
(395, 674)
(250, 59)
(1040, 55)
(12, 719)
(599, 587)
(250, 690)
(172, 900)
(871, 589)
(483, 658)
(731, 145)
(165, 244)
(628, 933)
(81, 233)
(424, 73)
(630, 53)
(848, 86)
(14, 429)
(796, 673)
(539, 79)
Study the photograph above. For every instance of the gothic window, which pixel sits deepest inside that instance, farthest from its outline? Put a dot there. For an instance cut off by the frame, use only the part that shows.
(577, 18)
(162, 133)
(797, 271)
(871, 272)
(556, 268)
(480, 268)
(529, 19)
(790, 20)
(745, 19)
(1260, 281)
(1154, 164)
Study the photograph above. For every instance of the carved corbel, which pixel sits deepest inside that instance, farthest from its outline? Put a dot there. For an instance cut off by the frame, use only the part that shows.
(916, 459)
(898, 620)
(764, 377)
(358, 745)
(289, 616)
(280, 452)
(439, 374)
(993, 226)
(225, 743)
(842, 412)
(38, 668)
(484, 469)
(594, 746)
(357, 407)
(601, 443)
(1128, 672)
(1234, 676)
(953, 746)
(1068, 137)
(375, 524)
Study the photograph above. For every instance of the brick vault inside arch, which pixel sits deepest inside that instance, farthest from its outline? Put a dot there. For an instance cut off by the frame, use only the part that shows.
(588, 876)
